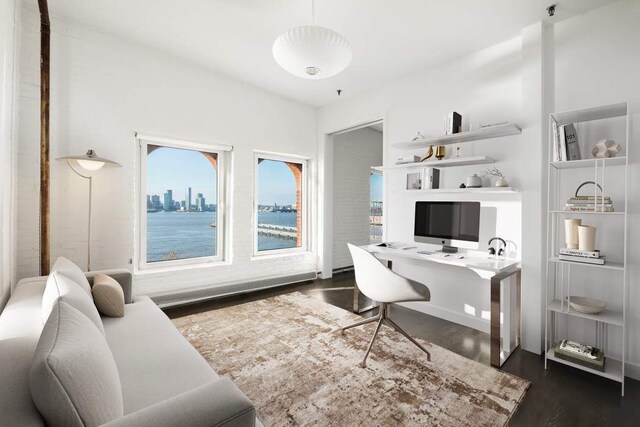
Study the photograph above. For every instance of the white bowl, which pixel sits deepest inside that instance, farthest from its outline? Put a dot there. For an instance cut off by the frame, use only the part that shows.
(586, 305)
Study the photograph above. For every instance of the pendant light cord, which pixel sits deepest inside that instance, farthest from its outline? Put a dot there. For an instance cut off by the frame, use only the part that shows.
(313, 12)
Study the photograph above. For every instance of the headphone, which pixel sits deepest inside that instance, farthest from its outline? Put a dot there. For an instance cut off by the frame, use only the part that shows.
(492, 250)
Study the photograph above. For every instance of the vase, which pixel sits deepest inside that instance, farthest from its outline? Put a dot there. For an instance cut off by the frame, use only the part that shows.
(441, 151)
(586, 238)
(502, 182)
(474, 181)
(571, 232)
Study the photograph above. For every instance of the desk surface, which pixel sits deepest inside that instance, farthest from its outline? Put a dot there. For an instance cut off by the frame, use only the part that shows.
(471, 260)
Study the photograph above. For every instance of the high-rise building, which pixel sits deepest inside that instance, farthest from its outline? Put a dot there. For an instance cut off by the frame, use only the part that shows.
(148, 201)
(168, 200)
(155, 201)
(200, 203)
(187, 199)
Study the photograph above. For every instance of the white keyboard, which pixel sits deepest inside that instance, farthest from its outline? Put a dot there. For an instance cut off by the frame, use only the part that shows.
(427, 252)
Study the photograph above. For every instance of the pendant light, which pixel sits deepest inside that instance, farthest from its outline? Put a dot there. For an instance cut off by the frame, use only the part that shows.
(311, 51)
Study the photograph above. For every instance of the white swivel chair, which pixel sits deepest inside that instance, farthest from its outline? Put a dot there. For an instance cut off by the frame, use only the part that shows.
(386, 287)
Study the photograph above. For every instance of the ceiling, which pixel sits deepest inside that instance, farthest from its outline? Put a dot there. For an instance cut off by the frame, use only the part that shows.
(389, 38)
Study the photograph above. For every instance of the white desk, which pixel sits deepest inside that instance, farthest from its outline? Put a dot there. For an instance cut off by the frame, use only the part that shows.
(494, 270)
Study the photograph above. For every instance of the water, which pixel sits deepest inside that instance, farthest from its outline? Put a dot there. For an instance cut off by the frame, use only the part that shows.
(181, 235)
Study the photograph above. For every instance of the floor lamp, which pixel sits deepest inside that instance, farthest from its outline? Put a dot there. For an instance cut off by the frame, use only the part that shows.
(90, 162)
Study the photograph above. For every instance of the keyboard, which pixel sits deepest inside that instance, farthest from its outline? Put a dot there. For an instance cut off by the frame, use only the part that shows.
(427, 252)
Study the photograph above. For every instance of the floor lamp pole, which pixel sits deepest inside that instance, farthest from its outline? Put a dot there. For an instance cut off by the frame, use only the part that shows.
(90, 178)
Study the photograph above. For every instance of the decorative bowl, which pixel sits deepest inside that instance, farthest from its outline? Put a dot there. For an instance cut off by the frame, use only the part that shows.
(586, 305)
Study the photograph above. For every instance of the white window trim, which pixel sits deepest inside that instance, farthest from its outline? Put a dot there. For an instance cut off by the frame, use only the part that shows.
(223, 153)
(305, 204)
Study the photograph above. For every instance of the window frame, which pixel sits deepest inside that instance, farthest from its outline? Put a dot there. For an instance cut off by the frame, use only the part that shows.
(304, 161)
(223, 154)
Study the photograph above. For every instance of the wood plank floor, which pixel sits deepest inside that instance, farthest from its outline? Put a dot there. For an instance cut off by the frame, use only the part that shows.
(560, 396)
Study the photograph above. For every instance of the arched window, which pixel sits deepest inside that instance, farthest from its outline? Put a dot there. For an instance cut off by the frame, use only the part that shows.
(280, 204)
(181, 220)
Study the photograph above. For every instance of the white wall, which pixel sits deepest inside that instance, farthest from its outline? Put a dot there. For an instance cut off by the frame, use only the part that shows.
(354, 153)
(8, 28)
(102, 90)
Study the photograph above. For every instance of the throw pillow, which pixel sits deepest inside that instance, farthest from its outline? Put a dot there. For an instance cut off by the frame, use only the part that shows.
(73, 272)
(58, 286)
(108, 295)
(74, 379)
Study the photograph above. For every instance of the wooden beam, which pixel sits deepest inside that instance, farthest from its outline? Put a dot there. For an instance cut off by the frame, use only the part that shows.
(45, 54)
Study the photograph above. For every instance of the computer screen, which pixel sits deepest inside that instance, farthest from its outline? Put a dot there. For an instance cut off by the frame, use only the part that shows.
(436, 222)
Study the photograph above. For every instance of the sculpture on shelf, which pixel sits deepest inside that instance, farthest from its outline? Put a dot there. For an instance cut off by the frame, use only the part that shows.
(606, 148)
(441, 151)
(501, 182)
(428, 154)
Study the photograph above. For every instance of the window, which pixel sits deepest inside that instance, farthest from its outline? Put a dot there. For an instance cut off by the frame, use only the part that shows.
(182, 216)
(280, 204)
(375, 212)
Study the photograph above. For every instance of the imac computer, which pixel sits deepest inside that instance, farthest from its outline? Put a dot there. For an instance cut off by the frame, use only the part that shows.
(452, 224)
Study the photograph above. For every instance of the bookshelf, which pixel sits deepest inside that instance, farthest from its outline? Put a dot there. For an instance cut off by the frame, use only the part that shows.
(559, 272)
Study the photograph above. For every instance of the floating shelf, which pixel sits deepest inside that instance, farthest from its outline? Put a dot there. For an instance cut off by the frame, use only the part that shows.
(454, 161)
(590, 163)
(610, 317)
(489, 132)
(481, 190)
(612, 367)
(589, 114)
(609, 265)
(585, 213)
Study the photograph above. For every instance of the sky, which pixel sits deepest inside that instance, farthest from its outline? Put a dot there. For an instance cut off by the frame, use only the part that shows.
(376, 187)
(177, 169)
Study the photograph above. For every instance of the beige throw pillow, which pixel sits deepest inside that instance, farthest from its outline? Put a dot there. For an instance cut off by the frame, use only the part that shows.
(108, 295)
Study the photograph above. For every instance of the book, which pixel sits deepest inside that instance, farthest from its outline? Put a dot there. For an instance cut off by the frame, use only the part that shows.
(407, 159)
(578, 252)
(589, 198)
(580, 354)
(585, 260)
(589, 208)
(571, 141)
(563, 144)
(556, 151)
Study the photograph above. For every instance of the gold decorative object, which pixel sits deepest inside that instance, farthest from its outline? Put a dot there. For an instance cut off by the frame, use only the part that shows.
(428, 154)
(441, 151)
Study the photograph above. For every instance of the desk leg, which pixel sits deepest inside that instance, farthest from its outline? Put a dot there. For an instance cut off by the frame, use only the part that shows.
(495, 315)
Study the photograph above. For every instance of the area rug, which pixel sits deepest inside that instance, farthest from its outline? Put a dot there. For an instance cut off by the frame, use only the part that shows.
(282, 354)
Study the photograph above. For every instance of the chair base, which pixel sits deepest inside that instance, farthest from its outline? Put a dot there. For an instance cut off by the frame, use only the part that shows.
(382, 318)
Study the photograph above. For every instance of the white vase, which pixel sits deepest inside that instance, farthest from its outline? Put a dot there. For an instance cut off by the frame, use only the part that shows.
(571, 232)
(586, 238)
(502, 182)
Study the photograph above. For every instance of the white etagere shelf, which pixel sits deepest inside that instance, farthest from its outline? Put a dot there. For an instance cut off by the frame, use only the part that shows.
(558, 286)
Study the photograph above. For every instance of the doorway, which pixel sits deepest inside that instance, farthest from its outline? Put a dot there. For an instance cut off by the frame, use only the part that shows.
(357, 193)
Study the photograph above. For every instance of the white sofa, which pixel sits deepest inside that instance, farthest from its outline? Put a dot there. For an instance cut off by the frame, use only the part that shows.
(164, 380)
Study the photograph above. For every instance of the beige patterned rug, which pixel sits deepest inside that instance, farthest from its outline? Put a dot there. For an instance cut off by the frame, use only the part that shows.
(281, 354)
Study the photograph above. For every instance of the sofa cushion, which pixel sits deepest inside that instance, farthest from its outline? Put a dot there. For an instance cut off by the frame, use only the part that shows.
(73, 272)
(108, 296)
(62, 286)
(74, 380)
(154, 360)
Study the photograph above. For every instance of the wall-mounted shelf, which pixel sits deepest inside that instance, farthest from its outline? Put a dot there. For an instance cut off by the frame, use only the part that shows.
(590, 163)
(454, 161)
(481, 190)
(497, 131)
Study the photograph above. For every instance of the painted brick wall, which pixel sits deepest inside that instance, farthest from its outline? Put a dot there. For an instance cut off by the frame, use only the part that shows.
(103, 89)
(353, 155)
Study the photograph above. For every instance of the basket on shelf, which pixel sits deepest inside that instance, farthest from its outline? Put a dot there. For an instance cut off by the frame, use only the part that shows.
(594, 203)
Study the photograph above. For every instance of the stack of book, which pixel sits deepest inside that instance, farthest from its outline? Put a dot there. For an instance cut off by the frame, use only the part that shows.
(589, 204)
(580, 354)
(578, 255)
(407, 159)
(565, 143)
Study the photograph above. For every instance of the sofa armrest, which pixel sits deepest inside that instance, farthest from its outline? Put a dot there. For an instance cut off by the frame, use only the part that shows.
(218, 403)
(122, 276)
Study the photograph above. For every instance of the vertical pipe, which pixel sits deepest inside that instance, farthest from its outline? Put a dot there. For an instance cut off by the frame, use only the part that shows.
(45, 43)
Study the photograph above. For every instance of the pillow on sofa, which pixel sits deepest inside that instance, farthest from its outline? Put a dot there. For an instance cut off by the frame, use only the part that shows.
(61, 286)
(74, 380)
(108, 295)
(72, 271)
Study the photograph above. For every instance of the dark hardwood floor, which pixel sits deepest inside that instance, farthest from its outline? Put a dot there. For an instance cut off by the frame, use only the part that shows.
(560, 395)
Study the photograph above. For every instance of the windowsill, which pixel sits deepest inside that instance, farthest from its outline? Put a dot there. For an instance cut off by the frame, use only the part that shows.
(280, 255)
(184, 267)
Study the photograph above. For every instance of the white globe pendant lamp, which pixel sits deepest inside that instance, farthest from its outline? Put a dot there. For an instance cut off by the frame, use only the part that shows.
(312, 52)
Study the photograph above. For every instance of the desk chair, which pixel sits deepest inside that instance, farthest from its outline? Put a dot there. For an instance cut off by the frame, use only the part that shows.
(386, 287)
